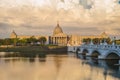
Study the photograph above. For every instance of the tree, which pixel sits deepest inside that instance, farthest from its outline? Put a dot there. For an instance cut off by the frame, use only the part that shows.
(1, 41)
(31, 40)
(86, 40)
(117, 42)
(42, 40)
(108, 40)
(96, 40)
(22, 41)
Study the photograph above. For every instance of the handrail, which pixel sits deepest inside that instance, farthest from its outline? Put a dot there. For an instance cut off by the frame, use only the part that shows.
(101, 46)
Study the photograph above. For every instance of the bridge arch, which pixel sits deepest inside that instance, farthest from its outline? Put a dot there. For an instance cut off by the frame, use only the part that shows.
(95, 54)
(85, 51)
(112, 58)
(112, 55)
(78, 49)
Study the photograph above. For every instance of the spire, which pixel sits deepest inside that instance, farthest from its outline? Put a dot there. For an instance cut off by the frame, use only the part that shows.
(13, 31)
(57, 23)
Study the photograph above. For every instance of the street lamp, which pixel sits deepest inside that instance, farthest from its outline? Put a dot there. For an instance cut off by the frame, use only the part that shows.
(114, 41)
(91, 42)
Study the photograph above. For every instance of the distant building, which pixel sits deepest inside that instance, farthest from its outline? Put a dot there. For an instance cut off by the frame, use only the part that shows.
(60, 38)
(14, 35)
(77, 39)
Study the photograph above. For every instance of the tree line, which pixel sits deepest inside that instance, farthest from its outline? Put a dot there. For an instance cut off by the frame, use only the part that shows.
(97, 40)
(22, 42)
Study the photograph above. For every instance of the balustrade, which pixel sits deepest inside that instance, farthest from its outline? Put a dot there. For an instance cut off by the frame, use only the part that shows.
(101, 46)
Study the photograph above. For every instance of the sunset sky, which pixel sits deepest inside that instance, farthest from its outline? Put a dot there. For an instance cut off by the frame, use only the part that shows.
(39, 17)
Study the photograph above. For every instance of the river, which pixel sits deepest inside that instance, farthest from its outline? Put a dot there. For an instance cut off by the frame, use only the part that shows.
(56, 67)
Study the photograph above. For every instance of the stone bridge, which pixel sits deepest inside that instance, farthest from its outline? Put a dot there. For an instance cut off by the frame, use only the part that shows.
(99, 51)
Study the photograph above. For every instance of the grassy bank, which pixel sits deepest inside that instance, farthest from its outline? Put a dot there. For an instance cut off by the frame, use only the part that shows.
(34, 49)
(24, 49)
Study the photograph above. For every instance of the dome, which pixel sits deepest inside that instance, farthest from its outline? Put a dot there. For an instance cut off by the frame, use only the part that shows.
(13, 34)
(104, 34)
(57, 30)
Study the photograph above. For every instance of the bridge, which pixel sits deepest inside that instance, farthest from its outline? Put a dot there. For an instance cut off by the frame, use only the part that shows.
(100, 51)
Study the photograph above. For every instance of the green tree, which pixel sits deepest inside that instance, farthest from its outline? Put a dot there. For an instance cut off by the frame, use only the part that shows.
(31, 40)
(42, 40)
(86, 40)
(96, 40)
(15, 41)
(22, 41)
(108, 40)
(1, 41)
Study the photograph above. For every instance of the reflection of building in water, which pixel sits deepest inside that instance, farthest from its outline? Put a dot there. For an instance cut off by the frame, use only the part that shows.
(60, 38)
(58, 62)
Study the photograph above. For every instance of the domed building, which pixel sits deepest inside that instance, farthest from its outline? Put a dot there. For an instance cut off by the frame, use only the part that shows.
(58, 38)
(13, 35)
(57, 30)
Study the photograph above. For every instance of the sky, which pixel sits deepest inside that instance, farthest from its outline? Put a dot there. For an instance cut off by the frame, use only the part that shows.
(39, 17)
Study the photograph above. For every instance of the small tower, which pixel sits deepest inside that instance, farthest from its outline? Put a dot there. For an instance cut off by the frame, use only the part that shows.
(104, 35)
(13, 35)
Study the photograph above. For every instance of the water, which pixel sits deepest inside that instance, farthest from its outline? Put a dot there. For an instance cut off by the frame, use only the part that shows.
(56, 67)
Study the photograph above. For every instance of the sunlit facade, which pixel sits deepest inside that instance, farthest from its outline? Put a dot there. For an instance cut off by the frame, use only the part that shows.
(60, 38)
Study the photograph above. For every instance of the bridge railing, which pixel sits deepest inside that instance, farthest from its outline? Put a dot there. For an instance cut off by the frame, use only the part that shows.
(101, 46)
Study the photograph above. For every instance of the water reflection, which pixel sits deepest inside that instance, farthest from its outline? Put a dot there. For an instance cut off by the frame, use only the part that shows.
(109, 62)
(55, 67)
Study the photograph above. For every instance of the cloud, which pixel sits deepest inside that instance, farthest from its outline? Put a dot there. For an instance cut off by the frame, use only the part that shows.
(40, 16)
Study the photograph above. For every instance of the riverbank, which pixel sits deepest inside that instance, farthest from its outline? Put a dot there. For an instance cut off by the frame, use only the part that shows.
(34, 49)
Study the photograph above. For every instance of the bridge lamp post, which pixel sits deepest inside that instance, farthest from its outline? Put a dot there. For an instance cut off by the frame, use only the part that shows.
(100, 42)
(104, 41)
(91, 42)
(114, 41)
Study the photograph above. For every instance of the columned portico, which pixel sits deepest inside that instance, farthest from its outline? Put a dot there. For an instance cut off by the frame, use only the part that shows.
(59, 38)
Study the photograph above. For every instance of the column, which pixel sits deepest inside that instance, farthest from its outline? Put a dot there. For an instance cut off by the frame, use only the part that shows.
(61, 40)
(65, 40)
(58, 40)
(55, 40)
(51, 40)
